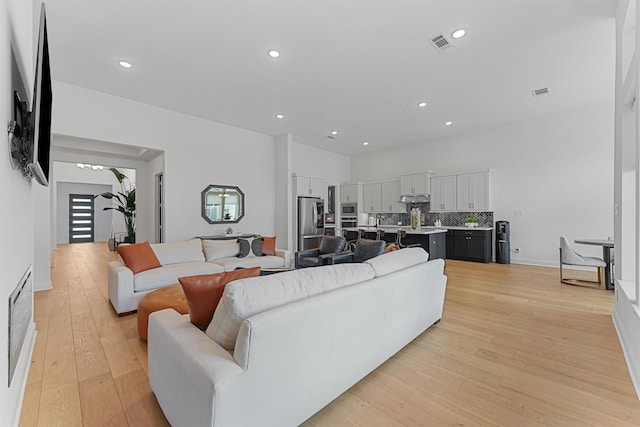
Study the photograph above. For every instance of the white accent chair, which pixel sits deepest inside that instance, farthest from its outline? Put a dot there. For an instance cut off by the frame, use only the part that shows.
(570, 257)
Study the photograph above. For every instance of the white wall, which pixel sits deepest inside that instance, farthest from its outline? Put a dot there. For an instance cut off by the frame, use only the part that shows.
(42, 233)
(557, 169)
(16, 41)
(198, 152)
(315, 163)
(284, 188)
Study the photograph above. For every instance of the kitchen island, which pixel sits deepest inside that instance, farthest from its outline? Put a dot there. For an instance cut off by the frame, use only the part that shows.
(450, 242)
(431, 239)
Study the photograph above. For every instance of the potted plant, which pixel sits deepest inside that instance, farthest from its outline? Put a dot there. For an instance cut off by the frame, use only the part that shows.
(471, 221)
(124, 202)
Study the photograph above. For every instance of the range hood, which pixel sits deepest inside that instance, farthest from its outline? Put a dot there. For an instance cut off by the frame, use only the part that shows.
(414, 198)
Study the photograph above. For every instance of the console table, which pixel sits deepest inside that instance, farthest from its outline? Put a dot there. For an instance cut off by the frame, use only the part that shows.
(225, 236)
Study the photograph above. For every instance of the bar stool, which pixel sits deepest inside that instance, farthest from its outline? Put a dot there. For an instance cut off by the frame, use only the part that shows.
(379, 234)
(401, 235)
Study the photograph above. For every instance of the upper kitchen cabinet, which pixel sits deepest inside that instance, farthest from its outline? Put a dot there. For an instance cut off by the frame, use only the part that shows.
(415, 184)
(443, 193)
(390, 196)
(373, 197)
(351, 193)
(474, 192)
(313, 187)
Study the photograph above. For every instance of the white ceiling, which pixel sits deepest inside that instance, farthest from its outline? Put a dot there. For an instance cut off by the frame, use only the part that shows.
(356, 66)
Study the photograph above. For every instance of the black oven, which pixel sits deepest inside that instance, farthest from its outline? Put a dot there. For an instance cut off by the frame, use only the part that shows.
(349, 222)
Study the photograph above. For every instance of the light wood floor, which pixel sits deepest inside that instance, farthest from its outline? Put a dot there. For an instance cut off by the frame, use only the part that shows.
(514, 348)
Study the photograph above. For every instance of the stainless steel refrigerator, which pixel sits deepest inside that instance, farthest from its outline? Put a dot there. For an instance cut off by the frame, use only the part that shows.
(310, 222)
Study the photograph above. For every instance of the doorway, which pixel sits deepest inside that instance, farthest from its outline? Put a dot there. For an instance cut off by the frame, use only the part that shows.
(159, 195)
(81, 218)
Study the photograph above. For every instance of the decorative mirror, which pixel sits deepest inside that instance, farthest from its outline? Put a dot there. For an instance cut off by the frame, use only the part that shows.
(222, 204)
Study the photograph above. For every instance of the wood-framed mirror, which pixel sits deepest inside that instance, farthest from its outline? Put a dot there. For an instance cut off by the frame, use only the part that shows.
(222, 204)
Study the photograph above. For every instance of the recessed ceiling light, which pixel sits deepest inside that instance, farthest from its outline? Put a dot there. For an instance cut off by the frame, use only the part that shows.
(448, 123)
(279, 116)
(365, 143)
(334, 132)
(458, 33)
(125, 64)
(274, 53)
(422, 104)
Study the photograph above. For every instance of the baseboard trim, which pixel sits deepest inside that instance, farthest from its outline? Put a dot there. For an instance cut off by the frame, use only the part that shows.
(43, 286)
(15, 405)
(628, 348)
(535, 262)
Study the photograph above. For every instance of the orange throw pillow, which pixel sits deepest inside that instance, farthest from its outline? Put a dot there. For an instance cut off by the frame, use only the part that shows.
(391, 247)
(204, 292)
(139, 257)
(268, 245)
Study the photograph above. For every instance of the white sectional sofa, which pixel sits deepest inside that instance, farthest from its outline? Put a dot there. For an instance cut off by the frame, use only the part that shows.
(281, 347)
(188, 258)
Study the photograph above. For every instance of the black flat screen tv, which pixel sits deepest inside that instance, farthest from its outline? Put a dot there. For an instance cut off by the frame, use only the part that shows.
(40, 125)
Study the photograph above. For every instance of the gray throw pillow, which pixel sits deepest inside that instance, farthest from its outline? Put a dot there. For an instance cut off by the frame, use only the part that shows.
(245, 248)
(250, 247)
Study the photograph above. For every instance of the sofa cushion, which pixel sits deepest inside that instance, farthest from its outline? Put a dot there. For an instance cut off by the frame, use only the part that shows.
(250, 247)
(168, 274)
(203, 292)
(179, 252)
(246, 297)
(232, 263)
(138, 257)
(397, 260)
(217, 249)
(268, 245)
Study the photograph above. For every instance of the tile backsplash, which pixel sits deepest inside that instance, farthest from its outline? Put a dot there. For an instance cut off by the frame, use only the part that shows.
(485, 219)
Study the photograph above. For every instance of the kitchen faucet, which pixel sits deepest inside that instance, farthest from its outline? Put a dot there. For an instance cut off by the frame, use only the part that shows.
(379, 217)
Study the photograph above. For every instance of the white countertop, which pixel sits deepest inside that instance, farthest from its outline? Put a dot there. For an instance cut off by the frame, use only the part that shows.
(425, 229)
(461, 227)
(393, 230)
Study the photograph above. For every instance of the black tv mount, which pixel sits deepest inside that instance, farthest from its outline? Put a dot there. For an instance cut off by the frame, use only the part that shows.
(19, 129)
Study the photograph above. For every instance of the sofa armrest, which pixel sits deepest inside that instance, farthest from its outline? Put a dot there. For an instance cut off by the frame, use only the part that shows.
(286, 255)
(120, 286)
(186, 369)
(339, 258)
(305, 254)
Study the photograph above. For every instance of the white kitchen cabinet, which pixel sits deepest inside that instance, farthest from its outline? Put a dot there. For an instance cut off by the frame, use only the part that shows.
(390, 196)
(349, 193)
(372, 197)
(443, 193)
(473, 192)
(415, 184)
(315, 187)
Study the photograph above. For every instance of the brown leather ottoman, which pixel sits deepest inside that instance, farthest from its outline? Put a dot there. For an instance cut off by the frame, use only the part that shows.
(169, 297)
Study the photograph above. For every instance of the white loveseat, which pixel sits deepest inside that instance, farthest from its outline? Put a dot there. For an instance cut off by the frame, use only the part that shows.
(188, 258)
(299, 339)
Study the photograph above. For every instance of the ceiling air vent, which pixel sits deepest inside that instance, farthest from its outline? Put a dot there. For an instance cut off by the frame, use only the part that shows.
(541, 91)
(440, 42)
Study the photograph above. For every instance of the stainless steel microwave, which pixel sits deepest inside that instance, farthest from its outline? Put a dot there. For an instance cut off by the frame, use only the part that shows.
(349, 209)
